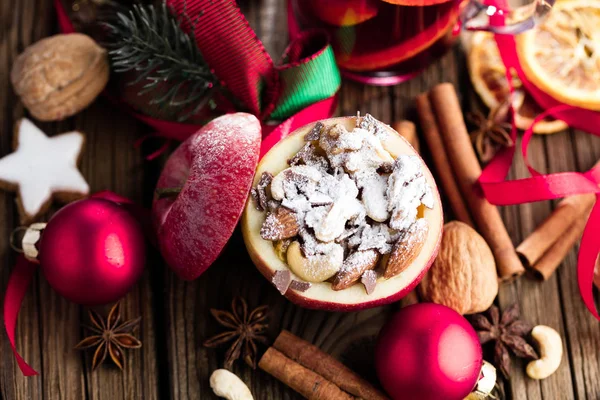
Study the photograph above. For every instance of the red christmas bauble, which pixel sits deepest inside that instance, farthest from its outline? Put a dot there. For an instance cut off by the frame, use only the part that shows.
(92, 251)
(428, 352)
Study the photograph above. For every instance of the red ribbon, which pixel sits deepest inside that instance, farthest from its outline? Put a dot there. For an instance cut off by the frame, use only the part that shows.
(325, 108)
(22, 274)
(232, 49)
(18, 283)
(548, 186)
(221, 32)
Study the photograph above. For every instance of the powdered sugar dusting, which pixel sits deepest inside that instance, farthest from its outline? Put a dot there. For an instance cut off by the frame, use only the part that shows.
(369, 280)
(407, 190)
(215, 166)
(358, 260)
(412, 235)
(42, 166)
(300, 286)
(282, 280)
(350, 195)
(375, 236)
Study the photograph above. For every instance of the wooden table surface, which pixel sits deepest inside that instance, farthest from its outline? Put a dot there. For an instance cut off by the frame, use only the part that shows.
(175, 314)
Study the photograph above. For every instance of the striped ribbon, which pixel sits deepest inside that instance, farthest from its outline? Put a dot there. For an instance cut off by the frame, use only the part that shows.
(306, 78)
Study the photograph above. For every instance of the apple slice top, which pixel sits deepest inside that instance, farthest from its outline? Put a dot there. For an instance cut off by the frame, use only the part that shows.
(321, 295)
(214, 170)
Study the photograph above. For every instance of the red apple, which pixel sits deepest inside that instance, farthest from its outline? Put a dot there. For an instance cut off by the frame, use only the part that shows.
(202, 190)
(320, 295)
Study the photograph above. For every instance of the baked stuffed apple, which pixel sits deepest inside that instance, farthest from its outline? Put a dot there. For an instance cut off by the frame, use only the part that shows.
(343, 215)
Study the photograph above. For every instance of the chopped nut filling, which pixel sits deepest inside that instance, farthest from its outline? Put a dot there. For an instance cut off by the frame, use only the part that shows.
(343, 203)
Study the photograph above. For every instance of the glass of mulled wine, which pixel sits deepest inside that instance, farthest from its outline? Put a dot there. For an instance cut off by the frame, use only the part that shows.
(385, 42)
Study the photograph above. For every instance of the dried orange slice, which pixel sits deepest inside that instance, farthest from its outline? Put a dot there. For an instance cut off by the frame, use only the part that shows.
(562, 55)
(488, 75)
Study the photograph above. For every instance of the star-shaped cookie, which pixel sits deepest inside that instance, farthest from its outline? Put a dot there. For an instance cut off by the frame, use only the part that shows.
(42, 168)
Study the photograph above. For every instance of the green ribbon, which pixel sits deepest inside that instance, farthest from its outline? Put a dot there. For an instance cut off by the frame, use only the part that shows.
(304, 79)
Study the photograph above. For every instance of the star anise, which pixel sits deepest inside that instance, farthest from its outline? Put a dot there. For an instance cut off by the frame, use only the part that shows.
(491, 132)
(110, 336)
(246, 329)
(507, 331)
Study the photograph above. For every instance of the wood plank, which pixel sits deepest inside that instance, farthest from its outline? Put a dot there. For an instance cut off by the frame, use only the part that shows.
(176, 319)
(49, 326)
(112, 162)
(582, 342)
(539, 301)
(22, 23)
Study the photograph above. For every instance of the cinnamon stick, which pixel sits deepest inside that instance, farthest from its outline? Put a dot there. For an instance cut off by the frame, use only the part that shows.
(304, 381)
(408, 131)
(440, 160)
(313, 358)
(465, 165)
(552, 228)
(552, 259)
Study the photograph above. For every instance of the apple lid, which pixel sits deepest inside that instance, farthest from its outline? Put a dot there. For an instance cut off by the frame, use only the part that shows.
(202, 191)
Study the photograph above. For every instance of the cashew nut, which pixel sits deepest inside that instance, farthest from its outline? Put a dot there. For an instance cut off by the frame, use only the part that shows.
(334, 223)
(318, 267)
(374, 197)
(381, 154)
(227, 385)
(551, 349)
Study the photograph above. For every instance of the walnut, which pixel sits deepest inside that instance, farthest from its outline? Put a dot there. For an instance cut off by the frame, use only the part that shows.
(60, 75)
(463, 276)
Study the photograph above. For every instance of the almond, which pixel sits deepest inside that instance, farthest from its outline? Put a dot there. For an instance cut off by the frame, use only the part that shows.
(369, 281)
(353, 268)
(282, 280)
(463, 276)
(314, 133)
(259, 193)
(406, 248)
(280, 224)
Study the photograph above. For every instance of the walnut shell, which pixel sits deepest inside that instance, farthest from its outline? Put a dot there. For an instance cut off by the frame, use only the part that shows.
(463, 276)
(60, 75)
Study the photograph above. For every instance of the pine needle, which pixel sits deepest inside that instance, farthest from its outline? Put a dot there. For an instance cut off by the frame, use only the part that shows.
(150, 41)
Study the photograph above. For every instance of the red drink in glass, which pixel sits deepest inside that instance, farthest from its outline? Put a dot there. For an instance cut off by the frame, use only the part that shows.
(381, 42)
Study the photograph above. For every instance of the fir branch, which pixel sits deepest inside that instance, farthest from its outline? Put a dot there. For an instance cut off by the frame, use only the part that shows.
(150, 41)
